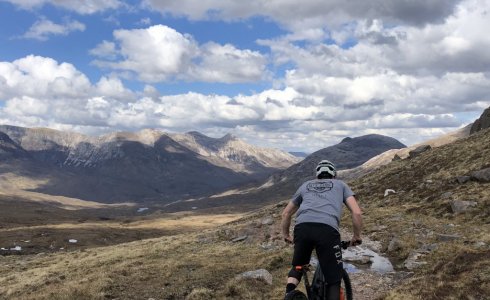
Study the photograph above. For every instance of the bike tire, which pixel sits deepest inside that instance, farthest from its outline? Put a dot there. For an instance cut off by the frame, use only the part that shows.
(296, 295)
(318, 282)
(346, 285)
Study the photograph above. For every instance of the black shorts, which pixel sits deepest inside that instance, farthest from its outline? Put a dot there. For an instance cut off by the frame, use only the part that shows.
(326, 241)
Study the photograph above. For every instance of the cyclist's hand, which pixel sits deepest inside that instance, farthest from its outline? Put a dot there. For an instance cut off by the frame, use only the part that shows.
(288, 239)
(355, 241)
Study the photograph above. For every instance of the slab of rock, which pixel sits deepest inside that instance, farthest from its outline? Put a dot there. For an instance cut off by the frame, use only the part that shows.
(463, 179)
(447, 237)
(360, 259)
(482, 175)
(419, 150)
(459, 206)
(261, 274)
(240, 238)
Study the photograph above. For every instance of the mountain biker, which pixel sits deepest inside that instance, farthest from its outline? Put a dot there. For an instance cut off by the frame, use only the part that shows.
(318, 204)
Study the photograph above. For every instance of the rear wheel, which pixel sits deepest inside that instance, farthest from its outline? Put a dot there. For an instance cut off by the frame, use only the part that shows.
(345, 286)
(318, 288)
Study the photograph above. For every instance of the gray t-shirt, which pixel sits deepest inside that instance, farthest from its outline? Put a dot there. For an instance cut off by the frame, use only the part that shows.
(320, 201)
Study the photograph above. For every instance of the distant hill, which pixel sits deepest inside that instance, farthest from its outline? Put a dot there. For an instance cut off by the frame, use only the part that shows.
(299, 154)
(144, 166)
(350, 152)
(386, 157)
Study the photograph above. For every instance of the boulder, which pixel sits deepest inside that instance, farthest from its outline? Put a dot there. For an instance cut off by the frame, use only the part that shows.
(459, 206)
(482, 123)
(396, 157)
(419, 150)
(482, 175)
(261, 274)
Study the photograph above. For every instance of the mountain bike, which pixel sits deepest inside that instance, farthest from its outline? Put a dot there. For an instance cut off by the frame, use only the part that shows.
(317, 290)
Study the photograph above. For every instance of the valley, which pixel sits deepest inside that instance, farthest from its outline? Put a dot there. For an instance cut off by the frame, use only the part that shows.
(433, 227)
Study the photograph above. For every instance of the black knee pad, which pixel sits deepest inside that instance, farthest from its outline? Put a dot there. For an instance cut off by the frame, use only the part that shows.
(295, 273)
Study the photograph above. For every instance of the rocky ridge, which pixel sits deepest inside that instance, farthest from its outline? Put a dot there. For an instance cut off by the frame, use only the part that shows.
(148, 165)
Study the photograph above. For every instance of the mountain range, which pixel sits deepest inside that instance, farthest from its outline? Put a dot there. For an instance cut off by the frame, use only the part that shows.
(149, 165)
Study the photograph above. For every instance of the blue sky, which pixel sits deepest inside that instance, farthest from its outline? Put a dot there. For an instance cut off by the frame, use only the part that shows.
(273, 73)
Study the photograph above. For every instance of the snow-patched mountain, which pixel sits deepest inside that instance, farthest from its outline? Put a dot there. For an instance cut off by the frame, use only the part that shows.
(145, 165)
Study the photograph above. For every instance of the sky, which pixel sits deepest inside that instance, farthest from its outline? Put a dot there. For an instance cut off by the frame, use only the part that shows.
(297, 76)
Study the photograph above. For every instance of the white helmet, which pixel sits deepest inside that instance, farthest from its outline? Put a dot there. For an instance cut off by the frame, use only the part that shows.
(325, 166)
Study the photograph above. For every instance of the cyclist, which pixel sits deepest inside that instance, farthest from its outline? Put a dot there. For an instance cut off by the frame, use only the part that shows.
(318, 204)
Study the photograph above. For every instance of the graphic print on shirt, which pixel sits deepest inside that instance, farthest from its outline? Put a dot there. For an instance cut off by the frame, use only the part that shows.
(319, 187)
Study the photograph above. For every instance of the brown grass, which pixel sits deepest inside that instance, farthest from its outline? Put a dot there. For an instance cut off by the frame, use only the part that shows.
(204, 264)
(419, 212)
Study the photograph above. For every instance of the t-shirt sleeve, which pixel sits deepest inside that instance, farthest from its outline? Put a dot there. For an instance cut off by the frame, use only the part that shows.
(297, 198)
(347, 192)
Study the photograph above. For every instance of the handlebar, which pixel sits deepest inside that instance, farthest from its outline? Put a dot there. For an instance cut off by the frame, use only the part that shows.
(347, 244)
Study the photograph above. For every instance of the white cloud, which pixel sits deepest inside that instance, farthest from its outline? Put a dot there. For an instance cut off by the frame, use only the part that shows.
(105, 50)
(44, 28)
(160, 53)
(37, 76)
(81, 7)
(410, 82)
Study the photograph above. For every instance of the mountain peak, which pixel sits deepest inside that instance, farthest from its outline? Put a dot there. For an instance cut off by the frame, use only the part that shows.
(229, 137)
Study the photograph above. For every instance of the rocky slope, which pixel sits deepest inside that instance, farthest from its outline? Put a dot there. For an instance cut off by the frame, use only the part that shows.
(144, 166)
(482, 123)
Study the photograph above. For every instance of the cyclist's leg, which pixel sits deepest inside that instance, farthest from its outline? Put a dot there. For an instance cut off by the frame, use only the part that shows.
(303, 246)
(330, 257)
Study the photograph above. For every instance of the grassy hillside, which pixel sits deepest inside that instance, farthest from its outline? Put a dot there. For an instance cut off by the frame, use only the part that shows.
(449, 252)
(419, 217)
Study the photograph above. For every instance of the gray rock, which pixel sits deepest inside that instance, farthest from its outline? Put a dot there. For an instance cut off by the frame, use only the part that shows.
(411, 264)
(446, 195)
(419, 150)
(463, 179)
(394, 245)
(412, 261)
(261, 274)
(482, 123)
(459, 206)
(361, 259)
(480, 244)
(481, 175)
(389, 192)
(267, 221)
(240, 238)
(427, 248)
(396, 157)
(447, 237)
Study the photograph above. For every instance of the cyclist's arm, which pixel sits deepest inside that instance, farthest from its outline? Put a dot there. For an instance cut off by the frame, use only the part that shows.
(356, 217)
(288, 212)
